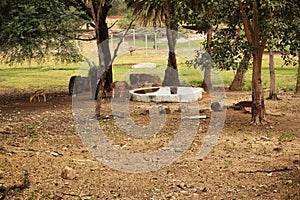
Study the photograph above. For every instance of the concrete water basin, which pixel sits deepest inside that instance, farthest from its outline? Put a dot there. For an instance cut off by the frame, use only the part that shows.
(166, 94)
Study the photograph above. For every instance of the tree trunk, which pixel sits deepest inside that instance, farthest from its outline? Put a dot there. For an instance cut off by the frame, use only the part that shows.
(104, 74)
(298, 76)
(272, 93)
(171, 73)
(103, 50)
(258, 106)
(238, 81)
(252, 31)
(206, 84)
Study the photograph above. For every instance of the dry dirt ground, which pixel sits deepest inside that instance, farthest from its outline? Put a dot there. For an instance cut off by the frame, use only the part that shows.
(248, 162)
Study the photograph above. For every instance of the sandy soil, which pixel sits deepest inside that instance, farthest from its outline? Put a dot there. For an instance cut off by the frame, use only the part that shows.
(248, 162)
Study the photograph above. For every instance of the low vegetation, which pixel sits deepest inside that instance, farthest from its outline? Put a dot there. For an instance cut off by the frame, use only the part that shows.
(54, 76)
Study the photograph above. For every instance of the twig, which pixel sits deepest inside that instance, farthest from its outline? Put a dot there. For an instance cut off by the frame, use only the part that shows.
(25, 184)
(113, 24)
(80, 197)
(266, 171)
(5, 132)
(120, 41)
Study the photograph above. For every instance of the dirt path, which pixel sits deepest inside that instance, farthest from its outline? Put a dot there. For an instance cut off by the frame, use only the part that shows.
(248, 162)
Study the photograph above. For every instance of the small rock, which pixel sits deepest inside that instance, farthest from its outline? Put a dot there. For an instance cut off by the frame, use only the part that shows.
(296, 162)
(55, 153)
(216, 106)
(277, 149)
(269, 174)
(184, 192)
(68, 173)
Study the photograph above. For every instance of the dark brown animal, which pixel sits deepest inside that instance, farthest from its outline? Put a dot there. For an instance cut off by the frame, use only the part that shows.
(242, 105)
(79, 84)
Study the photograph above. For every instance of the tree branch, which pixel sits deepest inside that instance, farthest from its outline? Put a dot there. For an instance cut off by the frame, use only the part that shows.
(248, 28)
(86, 40)
(120, 41)
(84, 7)
(25, 184)
(113, 24)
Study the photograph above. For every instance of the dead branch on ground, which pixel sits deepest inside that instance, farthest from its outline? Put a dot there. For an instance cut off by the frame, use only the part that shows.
(6, 190)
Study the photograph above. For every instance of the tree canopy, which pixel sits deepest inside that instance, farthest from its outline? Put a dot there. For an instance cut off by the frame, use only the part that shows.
(38, 28)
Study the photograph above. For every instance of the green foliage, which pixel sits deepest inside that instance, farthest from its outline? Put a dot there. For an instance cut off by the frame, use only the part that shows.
(157, 12)
(31, 196)
(230, 48)
(118, 7)
(34, 29)
(285, 137)
(202, 60)
(125, 21)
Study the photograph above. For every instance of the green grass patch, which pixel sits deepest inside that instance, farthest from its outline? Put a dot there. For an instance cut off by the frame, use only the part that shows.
(55, 76)
(52, 76)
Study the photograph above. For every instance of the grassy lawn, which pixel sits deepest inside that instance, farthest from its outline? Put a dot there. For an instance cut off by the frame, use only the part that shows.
(55, 76)
(50, 75)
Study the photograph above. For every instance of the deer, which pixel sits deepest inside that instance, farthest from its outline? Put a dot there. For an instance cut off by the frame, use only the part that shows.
(37, 93)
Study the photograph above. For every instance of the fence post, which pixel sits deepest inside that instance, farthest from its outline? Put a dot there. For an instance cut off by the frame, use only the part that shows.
(133, 35)
(111, 40)
(146, 41)
(189, 40)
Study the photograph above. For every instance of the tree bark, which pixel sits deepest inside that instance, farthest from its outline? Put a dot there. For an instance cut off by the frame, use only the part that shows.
(206, 84)
(104, 73)
(238, 81)
(272, 93)
(171, 73)
(258, 43)
(298, 76)
(258, 105)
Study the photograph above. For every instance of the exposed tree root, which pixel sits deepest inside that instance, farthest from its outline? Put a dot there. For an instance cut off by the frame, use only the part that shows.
(260, 122)
(6, 190)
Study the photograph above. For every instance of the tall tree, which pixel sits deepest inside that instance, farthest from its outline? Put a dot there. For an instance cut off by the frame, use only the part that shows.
(207, 14)
(41, 28)
(34, 29)
(260, 20)
(38, 29)
(157, 12)
(257, 37)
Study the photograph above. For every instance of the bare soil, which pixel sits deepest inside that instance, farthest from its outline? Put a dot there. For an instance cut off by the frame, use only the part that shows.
(248, 161)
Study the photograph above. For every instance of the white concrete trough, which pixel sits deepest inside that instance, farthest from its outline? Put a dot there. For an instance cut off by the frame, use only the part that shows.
(166, 94)
(144, 65)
